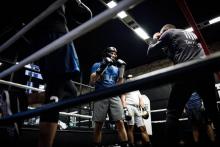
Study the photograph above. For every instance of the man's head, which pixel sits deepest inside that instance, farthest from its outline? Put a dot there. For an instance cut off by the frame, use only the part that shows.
(110, 52)
(166, 27)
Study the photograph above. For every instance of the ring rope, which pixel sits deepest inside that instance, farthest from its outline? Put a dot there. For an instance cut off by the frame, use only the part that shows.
(33, 88)
(31, 24)
(21, 86)
(73, 34)
(148, 80)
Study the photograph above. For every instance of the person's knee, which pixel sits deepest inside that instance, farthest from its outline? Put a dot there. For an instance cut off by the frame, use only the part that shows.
(120, 124)
(98, 126)
(143, 129)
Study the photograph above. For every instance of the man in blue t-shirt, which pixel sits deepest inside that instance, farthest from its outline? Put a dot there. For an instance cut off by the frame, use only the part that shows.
(105, 74)
(198, 119)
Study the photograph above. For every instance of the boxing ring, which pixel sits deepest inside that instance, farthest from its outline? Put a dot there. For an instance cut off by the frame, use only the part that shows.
(145, 81)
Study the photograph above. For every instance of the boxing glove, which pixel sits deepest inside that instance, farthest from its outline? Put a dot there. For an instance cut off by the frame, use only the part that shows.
(126, 113)
(121, 64)
(103, 65)
(156, 35)
(144, 114)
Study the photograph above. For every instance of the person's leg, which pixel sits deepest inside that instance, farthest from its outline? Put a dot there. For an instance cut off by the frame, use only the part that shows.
(195, 133)
(210, 132)
(179, 95)
(99, 117)
(130, 134)
(122, 133)
(97, 134)
(47, 136)
(207, 91)
(196, 119)
(141, 125)
(49, 120)
(116, 114)
(144, 134)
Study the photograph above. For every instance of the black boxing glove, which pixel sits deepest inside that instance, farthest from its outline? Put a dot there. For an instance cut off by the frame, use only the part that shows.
(103, 65)
(145, 114)
(121, 64)
(126, 113)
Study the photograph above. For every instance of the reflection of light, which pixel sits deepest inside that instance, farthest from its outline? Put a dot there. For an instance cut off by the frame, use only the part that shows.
(111, 4)
(189, 29)
(140, 32)
(0, 63)
(28, 66)
(41, 87)
(122, 14)
(214, 20)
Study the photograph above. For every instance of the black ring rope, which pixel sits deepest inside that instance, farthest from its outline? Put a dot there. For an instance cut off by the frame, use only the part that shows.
(148, 80)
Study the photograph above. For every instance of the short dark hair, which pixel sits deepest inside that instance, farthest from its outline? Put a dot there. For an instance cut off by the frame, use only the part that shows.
(108, 50)
(166, 27)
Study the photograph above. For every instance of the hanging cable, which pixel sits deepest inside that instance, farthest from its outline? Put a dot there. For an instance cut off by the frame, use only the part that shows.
(82, 5)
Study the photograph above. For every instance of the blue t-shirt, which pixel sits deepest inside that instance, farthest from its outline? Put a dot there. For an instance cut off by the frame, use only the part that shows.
(194, 102)
(109, 77)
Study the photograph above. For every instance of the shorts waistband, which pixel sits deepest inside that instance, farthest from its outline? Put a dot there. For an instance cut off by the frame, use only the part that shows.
(134, 105)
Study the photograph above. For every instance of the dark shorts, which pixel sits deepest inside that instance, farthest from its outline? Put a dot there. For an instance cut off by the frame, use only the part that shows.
(197, 116)
(56, 91)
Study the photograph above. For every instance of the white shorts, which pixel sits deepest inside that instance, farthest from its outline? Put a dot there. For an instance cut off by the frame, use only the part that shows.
(137, 119)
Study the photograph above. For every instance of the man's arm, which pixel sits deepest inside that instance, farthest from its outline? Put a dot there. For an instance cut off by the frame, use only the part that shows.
(123, 100)
(94, 77)
(141, 100)
(160, 41)
(155, 48)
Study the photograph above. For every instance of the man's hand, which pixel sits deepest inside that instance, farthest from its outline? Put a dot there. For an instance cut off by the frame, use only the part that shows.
(127, 115)
(121, 64)
(144, 113)
(156, 35)
(103, 65)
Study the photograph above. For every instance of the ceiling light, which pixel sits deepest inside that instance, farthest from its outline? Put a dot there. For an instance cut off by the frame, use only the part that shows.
(215, 20)
(189, 29)
(111, 4)
(140, 32)
(122, 14)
